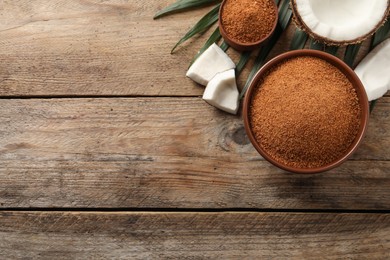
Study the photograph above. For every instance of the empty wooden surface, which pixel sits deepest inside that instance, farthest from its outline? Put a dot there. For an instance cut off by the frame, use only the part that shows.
(97, 115)
(93, 47)
(229, 235)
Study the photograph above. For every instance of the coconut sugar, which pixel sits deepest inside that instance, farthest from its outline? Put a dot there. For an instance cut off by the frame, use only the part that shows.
(305, 113)
(248, 21)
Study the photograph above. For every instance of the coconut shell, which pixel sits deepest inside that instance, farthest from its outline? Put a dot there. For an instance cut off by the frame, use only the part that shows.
(301, 25)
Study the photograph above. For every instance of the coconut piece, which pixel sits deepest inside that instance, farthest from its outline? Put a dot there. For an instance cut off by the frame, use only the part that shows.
(210, 62)
(340, 22)
(373, 71)
(222, 92)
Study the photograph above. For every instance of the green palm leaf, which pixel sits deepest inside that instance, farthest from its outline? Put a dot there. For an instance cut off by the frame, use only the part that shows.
(299, 40)
(382, 34)
(183, 5)
(331, 49)
(350, 54)
(224, 46)
(315, 45)
(285, 14)
(245, 56)
(372, 105)
(202, 25)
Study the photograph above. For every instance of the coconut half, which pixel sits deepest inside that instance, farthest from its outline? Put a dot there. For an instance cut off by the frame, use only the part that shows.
(340, 22)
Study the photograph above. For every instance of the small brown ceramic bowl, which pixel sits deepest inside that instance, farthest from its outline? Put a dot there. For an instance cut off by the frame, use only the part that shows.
(348, 72)
(244, 46)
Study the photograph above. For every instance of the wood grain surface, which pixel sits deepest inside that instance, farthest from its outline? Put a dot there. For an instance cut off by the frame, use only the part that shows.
(49, 235)
(159, 152)
(93, 47)
(100, 48)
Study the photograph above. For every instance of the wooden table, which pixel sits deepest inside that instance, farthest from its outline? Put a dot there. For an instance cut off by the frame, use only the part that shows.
(108, 151)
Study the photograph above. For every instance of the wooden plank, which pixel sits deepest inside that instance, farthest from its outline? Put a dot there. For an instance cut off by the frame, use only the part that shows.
(77, 235)
(76, 47)
(167, 152)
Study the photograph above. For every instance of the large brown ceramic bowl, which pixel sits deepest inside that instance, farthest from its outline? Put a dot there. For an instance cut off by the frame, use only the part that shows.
(348, 72)
(244, 46)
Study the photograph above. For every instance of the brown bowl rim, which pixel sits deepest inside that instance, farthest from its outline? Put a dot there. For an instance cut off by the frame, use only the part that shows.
(346, 70)
(245, 46)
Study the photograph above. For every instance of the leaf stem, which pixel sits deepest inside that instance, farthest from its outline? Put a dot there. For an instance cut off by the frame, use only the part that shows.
(183, 5)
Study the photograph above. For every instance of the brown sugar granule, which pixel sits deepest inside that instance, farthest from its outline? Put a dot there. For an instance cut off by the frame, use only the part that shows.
(305, 113)
(248, 21)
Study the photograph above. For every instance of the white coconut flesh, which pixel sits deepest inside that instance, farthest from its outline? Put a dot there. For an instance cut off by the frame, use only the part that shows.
(222, 92)
(341, 20)
(210, 62)
(374, 70)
